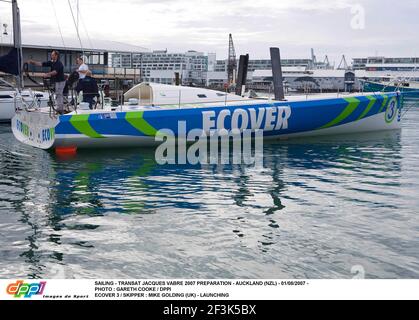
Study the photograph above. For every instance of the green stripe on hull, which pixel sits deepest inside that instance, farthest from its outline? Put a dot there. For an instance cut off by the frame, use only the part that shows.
(368, 108)
(384, 103)
(353, 104)
(80, 122)
(137, 121)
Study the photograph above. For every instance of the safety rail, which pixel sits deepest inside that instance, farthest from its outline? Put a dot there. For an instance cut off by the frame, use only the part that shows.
(409, 100)
(96, 70)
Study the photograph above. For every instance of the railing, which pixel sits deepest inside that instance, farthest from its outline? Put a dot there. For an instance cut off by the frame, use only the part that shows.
(96, 70)
(178, 98)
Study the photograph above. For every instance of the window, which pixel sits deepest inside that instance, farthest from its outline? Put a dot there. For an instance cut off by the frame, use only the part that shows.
(99, 58)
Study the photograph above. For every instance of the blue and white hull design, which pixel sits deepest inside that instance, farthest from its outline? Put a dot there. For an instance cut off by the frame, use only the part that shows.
(138, 126)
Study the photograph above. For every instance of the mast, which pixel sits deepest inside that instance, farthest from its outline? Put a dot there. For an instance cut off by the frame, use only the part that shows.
(76, 24)
(78, 14)
(231, 62)
(17, 41)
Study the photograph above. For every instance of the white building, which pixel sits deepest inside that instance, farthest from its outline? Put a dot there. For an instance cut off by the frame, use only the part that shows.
(161, 66)
(193, 67)
(298, 79)
(385, 64)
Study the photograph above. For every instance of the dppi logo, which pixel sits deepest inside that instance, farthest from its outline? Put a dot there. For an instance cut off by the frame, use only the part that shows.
(391, 111)
(27, 290)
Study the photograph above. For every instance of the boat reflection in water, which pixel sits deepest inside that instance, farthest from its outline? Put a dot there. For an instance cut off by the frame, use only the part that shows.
(119, 214)
(131, 181)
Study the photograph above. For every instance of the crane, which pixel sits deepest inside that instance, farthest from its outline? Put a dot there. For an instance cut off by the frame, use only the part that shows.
(231, 63)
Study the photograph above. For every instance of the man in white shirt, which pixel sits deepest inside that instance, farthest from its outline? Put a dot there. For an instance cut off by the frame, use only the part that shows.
(83, 68)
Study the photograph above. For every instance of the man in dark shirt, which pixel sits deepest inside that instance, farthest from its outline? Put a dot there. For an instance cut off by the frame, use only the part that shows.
(57, 76)
(90, 89)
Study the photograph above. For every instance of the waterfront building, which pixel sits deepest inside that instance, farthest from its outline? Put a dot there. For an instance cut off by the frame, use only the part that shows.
(194, 68)
(161, 66)
(386, 64)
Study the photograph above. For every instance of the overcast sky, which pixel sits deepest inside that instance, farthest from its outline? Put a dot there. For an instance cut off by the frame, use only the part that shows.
(332, 27)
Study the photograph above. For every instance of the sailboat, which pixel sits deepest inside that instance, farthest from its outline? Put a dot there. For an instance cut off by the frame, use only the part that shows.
(401, 85)
(152, 109)
(164, 108)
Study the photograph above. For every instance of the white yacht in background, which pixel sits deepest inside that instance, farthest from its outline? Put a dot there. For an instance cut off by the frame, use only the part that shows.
(11, 98)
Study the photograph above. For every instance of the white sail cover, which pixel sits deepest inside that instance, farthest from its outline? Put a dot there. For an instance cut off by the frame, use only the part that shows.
(162, 94)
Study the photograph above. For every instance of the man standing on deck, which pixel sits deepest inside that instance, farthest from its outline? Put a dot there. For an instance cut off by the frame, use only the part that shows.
(57, 77)
(83, 69)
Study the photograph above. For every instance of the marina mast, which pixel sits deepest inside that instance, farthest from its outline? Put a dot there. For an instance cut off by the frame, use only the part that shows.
(313, 59)
(232, 63)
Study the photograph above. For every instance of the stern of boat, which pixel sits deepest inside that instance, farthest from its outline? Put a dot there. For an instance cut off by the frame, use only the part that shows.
(36, 129)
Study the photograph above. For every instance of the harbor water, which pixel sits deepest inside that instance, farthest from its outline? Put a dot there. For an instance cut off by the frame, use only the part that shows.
(332, 207)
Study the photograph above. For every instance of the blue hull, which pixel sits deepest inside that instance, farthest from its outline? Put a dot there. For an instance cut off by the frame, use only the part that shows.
(280, 119)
